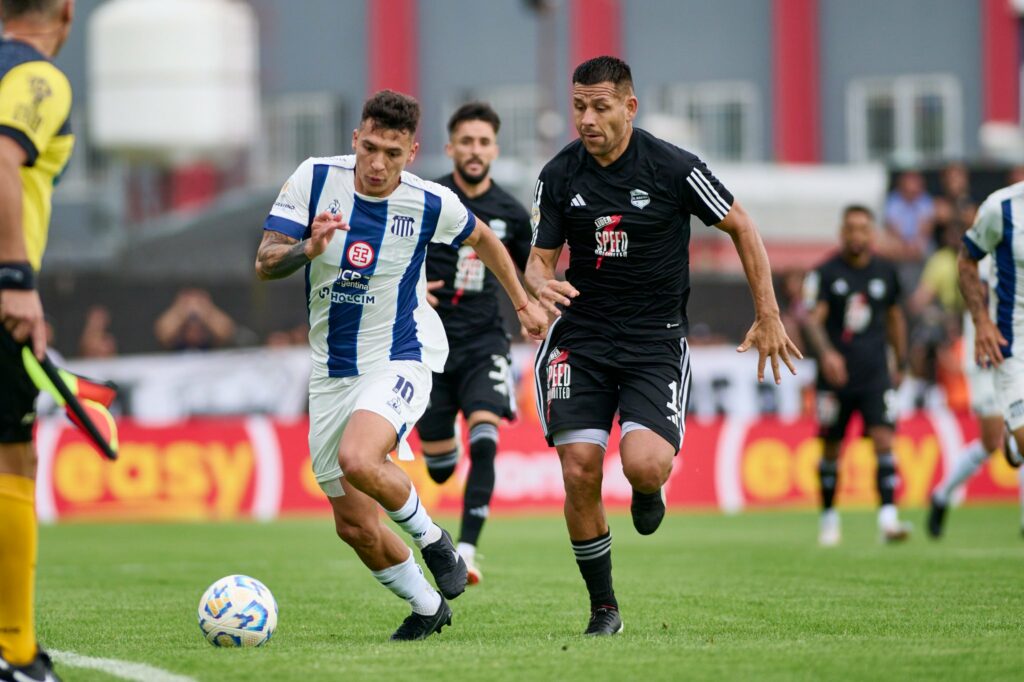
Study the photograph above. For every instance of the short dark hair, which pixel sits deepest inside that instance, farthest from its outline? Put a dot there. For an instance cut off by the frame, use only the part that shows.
(603, 69)
(393, 111)
(474, 111)
(858, 208)
(12, 9)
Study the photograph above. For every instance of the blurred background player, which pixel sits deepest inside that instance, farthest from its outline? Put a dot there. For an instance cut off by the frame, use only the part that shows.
(985, 405)
(35, 146)
(997, 228)
(374, 339)
(855, 314)
(620, 344)
(477, 379)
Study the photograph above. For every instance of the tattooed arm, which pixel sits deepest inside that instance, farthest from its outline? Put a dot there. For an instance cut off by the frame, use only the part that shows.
(280, 255)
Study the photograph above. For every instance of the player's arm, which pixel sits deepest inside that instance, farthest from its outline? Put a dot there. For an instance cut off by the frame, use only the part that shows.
(988, 340)
(767, 333)
(493, 254)
(280, 255)
(831, 361)
(540, 279)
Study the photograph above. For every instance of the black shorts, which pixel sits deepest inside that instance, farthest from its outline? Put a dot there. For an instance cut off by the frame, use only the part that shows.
(877, 407)
(477, 377)
(17, 394)
(583, 379)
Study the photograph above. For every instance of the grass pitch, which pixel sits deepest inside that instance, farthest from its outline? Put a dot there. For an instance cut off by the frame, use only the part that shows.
(708, 597)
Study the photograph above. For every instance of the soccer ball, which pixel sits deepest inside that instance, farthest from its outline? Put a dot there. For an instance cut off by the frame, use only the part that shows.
(237, 611)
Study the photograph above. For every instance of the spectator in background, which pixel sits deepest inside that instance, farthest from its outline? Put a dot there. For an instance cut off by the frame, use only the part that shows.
(909, 220)
(193, 322)
(96, 340)
(1015, 175)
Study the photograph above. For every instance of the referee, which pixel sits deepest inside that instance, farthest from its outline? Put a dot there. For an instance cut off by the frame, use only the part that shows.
(35, 145)
(622, 199)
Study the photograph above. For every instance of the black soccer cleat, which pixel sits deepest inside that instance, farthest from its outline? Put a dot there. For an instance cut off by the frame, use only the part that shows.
(648, 509)
(604, 620)
(418, 626)
(447, 567)
(936, 518)
(39, 670)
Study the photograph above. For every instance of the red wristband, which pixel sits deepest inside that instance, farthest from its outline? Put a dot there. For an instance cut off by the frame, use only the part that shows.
(525, 306)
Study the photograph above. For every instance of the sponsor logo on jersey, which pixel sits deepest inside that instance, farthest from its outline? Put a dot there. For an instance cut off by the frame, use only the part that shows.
(282, 200)
(857, 316)
(611, 241)
(840, 287)
(360, 254)
(499, 227)
(578, 201)
(348, 297)
(559, 380)
(535, 210)
(469, 272)
(352, 279)
(639, 198)
(403, 225)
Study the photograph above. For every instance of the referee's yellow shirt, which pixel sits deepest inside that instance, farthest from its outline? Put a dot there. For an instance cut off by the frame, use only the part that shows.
(35, 106)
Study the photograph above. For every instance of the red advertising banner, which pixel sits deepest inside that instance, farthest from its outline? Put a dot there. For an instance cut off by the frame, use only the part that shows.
(258, 467)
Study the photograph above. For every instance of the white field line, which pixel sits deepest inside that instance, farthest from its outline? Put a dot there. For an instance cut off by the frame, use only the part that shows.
(125, 670)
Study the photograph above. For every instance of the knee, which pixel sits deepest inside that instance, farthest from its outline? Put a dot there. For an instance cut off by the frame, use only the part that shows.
(355, 468)
(647, 475)
(359, 536)
(580, 476)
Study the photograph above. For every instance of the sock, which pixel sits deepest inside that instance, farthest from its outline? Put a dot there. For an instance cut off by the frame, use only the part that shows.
(442, 466)
(969, 461)
(483, 446)
(886, 478)
(414, 520)
(466, 551)
(17, 568)
(594, 557)
(407, 581)
(828, 475)
(888, 516)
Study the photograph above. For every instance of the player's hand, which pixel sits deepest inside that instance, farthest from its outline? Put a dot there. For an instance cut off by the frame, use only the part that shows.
(988, 343)
(555, 292)
(770, 338)
(22, 316)
(433, 285)
(833, 368)
(323, 228)
(534, 321)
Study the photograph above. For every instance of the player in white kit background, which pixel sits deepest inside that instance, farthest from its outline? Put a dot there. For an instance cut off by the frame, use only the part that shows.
(360, 226)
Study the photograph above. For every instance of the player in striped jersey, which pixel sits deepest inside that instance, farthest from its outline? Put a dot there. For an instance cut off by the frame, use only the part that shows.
(375, 340)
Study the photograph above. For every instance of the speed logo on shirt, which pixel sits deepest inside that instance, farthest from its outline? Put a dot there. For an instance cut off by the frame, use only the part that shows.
(611, 241)
(469, 271)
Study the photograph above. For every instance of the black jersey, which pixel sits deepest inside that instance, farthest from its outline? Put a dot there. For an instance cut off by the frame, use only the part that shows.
(858, 301)
(628, 229)
(468, 301)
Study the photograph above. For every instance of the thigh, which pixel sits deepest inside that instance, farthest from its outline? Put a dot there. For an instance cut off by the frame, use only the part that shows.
(331, 403)
(438, 420)
(982, 385)
(485, 383)
(17, 394)
(878, 408)
(574, 389)
(654, 389)
(398, 392)
(1010, 391)
(834, 409)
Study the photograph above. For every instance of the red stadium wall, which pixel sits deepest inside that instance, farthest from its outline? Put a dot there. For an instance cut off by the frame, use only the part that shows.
(257, 467)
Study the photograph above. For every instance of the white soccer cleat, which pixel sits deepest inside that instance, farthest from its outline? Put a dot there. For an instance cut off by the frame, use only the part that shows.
(473, 573)
(1010, 450)
(890, 528)
(829, 533)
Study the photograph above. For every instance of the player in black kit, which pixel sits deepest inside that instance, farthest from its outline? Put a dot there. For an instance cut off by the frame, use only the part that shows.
(477, 379)
(622, 199)
(855, 313)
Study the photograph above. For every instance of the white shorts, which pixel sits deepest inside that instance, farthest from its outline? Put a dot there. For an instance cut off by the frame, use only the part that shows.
(398, 391)
(982, 385)
(1010, 391)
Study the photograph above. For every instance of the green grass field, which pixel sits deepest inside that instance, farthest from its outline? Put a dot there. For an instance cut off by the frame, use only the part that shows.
(708, 597)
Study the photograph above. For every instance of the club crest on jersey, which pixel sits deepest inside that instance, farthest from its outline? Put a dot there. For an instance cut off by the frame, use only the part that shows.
(403, 225)
(876, 288)
(334, 208)
(639, 198)
(360, 254)
(611, 241)
(499, 227)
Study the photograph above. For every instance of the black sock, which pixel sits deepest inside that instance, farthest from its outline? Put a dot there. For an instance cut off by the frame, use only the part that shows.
(886, 477)
(828, 474)
(594, 557)
(442, 466)
(483, 446)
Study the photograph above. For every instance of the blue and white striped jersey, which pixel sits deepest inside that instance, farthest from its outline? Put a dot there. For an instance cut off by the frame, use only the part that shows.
(366, 293)
(999, 230)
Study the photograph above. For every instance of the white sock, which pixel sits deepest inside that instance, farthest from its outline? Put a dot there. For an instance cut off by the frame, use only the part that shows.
(969, 461)
(407, 581)
(414, 520)
(466, 551)
(888, 517)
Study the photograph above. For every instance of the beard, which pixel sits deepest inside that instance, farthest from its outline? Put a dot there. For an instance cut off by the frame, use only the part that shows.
(471, 178)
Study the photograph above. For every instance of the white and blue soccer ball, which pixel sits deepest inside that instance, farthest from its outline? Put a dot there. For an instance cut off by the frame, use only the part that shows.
(237, 611)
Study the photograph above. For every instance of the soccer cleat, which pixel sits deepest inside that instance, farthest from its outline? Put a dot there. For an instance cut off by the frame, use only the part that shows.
(445, 564)
(604, 620)
(474, 575)
(897, 532)
(39, 670)
(936, 518)
(829, 533)
(648, 509)
(418, 626)
(1011, 452)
